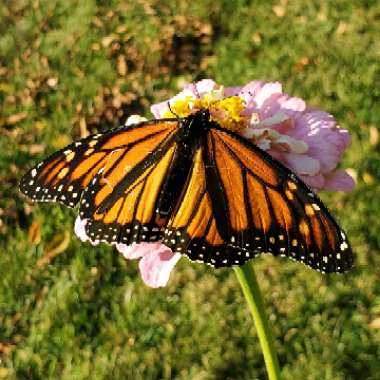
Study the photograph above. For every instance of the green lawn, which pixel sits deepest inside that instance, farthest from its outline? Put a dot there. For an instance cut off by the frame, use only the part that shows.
(70, 66)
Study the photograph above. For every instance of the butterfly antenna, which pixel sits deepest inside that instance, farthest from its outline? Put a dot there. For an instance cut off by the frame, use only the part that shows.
(170, 108)
(196, 90)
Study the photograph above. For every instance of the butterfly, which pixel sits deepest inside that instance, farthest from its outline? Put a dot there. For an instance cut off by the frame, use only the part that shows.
(198, 188)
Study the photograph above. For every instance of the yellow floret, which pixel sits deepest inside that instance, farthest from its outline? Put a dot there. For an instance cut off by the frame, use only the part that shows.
(180, 108)
(232, 107)
(227, 112)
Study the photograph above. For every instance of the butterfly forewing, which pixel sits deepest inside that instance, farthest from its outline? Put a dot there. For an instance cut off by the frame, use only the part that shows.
(65, 174)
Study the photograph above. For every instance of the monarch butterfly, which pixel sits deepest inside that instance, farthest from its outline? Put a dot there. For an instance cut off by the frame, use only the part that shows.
(202, 190)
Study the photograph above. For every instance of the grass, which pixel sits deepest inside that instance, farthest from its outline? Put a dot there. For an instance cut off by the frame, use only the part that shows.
(71, 311)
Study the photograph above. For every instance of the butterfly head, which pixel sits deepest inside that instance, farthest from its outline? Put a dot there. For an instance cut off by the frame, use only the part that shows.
(195, 125)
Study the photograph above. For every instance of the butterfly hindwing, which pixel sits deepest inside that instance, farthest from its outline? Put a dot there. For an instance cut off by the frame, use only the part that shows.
(193, 229)
(132, 215)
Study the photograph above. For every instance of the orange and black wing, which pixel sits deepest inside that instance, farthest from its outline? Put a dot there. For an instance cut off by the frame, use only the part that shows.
(116, 176)
(240, 202)
(193, 228)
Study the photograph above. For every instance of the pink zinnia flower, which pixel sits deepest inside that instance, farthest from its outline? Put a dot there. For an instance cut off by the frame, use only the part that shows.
(306, 140)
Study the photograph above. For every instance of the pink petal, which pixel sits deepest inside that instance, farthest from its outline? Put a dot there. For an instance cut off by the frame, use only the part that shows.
(260, 97)
(278, 156)
(155, 267)
(137, 250)
(79, 228)
(80, 231)
(232, 91)
(316, 182)
(293, 107)
(326, 141)
(292, 104)
(134, 119)
(327, 147)
(266, 92)
(339, 180)
(157, 261)
(159, 109)
(345, 137)
(202, 87)
(301, 164)
(251, 89)
(316, 118)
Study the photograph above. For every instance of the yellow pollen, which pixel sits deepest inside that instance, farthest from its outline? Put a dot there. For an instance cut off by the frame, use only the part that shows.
(227, 112)
(180, 108)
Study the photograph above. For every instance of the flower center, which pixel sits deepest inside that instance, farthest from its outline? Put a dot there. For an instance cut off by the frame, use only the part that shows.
(227, 112)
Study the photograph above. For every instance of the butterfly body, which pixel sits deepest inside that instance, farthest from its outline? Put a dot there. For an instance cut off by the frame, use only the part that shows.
(203, 191)
(188, 140)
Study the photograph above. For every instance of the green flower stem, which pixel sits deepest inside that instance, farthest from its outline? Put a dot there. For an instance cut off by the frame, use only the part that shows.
(251, 290)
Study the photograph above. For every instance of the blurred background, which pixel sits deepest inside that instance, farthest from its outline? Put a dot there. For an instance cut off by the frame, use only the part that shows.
(72, 311)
